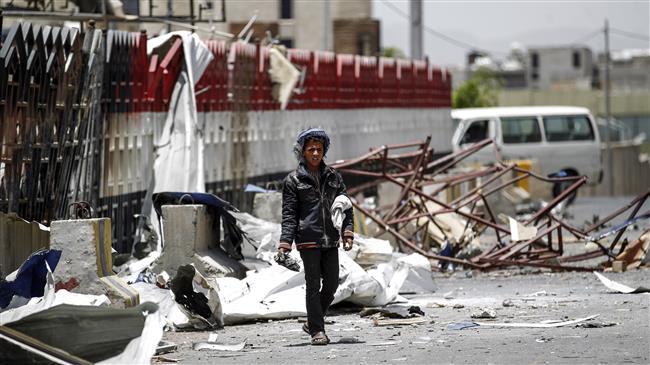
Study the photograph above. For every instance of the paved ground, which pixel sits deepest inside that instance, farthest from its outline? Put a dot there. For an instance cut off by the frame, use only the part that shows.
(563, 296)
(620, 334)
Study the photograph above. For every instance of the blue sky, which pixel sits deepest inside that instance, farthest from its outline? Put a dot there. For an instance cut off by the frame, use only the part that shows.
(495, 25)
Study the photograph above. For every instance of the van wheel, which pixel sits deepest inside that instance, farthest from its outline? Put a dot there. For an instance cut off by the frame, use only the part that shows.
(559, 187)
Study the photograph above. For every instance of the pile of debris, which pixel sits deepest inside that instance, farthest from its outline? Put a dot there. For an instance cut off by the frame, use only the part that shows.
(478, 217)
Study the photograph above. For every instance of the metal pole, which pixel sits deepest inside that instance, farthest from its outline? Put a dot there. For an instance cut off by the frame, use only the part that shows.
(170, 13)
(416, 29)
(326, 25)
(104, 14)
(192, 13)
(608, 113)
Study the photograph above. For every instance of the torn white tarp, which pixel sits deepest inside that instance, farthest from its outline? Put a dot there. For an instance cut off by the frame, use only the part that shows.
(283, 74)
(271, 293)
(264, 234)
(50, 299)
(141, 349)
(375, 287)
(368, 251)
(420, 276)
(611, 284)
(167, 306)
(276, 292)
(178, 164)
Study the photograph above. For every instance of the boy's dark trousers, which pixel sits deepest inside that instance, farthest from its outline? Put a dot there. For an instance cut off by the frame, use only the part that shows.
(320, 263)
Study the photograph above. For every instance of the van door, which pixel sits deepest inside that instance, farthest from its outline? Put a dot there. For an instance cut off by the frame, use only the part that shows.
(573, 145)
(521, 138)
(471, 132)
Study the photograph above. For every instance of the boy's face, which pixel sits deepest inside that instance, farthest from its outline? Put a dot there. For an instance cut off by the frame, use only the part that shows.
(313, 153)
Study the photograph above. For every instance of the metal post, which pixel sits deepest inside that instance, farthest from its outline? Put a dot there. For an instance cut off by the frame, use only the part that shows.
(608, 113)
(326, 25)
(192, 13)
(416, 29)
(170, 13)
(104, 14)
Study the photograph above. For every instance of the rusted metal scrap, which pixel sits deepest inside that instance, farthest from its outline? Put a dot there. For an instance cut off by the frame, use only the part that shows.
(419, 209)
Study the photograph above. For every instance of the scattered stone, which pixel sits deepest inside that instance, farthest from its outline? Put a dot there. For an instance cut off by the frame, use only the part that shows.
(508, 303)
(484, 313)
(449, 295)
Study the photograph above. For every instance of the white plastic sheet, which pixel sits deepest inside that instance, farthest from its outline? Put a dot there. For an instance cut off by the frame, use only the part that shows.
(140, 350)
(179, 162)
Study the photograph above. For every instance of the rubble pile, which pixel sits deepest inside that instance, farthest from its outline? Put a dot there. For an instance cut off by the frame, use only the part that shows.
(478, 217)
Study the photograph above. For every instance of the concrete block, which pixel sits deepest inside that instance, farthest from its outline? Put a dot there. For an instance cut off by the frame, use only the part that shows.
(86, 257)
(85, 246)
(268, 206)
(190, 238)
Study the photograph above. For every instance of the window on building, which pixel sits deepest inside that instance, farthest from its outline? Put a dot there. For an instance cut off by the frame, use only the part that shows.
(568, 128)
(534, 60)
(286, 9)
(520, 130)
(476, 132)
(576, 59)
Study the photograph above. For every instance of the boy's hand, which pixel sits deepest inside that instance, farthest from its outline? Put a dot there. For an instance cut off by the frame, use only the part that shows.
(347, 243)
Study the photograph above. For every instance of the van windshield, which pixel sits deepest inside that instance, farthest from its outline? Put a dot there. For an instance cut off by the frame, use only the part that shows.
(520, 130)
(568, 128)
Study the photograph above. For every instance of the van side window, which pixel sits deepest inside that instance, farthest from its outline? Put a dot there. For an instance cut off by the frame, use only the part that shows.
(476, 132)
(520, 130)
(568, 128)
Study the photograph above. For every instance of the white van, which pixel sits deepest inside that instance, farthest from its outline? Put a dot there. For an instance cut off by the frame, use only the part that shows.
(563, 140)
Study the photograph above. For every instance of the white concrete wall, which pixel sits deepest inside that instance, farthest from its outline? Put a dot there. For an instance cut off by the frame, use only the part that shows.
(234, 151)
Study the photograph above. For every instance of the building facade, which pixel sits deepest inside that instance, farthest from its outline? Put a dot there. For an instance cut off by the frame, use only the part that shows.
(560, 68)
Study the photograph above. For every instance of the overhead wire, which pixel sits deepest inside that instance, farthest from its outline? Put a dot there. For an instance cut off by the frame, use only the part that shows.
(629, 34)
(588, 37)
(438, 34)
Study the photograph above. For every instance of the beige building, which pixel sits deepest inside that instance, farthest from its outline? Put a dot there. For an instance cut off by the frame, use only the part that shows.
(334, 25)
(344, 26)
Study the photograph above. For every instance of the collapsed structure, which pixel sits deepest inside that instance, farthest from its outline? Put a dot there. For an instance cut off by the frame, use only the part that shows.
(420, 215)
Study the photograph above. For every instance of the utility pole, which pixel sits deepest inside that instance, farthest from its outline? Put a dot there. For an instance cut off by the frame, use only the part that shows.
(416, 29)
(170, 13)
(192, 13)
(326, 25)
(608, 112)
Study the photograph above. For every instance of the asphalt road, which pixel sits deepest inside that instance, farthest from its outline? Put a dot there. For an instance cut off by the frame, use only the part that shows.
(535, 297)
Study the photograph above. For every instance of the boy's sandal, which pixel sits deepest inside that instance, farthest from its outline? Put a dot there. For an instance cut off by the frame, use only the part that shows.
(319, 339)
(305, 327)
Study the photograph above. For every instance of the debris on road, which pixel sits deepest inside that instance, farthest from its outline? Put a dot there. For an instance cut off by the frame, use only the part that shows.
(428, 216)
(399, 321)
(546, 324)
(219, 347)
(484, 313)
(618, 287)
